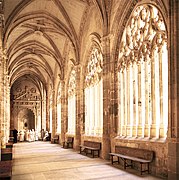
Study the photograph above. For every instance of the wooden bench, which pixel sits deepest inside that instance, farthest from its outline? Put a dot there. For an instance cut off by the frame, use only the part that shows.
(9, 145)
(68, 143)
(5, 169)
(6, 154)
(131, 155)
(90, 147)
(55, 139)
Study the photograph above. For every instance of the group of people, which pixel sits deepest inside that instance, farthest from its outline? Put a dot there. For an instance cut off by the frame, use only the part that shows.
(29, 135)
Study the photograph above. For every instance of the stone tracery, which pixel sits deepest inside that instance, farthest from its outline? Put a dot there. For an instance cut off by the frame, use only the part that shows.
(93, 94)
(142, 61)
(72, 102)
(94, 68)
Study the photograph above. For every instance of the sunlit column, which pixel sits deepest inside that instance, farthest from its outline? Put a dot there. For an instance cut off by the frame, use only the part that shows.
(91, 110)
(139, 101)
(125, 102)
(59, 117)
(50, 119)
(119, 104)
(86, 112)
(128, 99)
(74, 114)
(87, 120)
(153, 99)
(148, 96)
(122, 102)
(131, 114)
(96, 109)
(101, 106)
(69, 115)
(142, 97)
(161, 128)
(157, 95)
(136, 98)
(165, 87)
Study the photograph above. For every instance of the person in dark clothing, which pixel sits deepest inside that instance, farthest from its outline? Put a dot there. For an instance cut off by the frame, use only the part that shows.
(15, 135)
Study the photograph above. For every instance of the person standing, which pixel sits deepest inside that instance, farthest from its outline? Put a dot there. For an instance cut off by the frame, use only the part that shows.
(36, 135)
(15, 135)
(21, 138)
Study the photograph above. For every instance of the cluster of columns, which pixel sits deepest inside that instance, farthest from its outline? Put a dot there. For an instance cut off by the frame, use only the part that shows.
(143, 99)
(143, 76)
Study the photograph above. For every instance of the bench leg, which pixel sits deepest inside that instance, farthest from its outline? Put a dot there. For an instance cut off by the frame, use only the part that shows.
(92, 153)
(111, 159)
(86, 151)
(131, 164)
(140, 168)
(141, 171)
(125, 163)
(80, 150)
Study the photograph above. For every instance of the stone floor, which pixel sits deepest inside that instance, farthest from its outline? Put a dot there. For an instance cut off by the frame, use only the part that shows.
(45, 161)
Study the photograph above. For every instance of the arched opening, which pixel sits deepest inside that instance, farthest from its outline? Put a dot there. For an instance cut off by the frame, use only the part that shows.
(143, 76)
(26, 119)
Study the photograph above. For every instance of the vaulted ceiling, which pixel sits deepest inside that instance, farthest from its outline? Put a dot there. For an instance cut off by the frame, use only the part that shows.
(39, 34)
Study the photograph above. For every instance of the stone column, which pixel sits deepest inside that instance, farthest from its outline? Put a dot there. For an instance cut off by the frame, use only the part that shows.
(54, 114)
(43, 110)
(79, 108)
(109, 106)
(63, 112)
(6, 105)
(136, 114)
(173, 130)
(153, 106)
(1, 92)
(147, 132)
(2, 69)
(47, 111)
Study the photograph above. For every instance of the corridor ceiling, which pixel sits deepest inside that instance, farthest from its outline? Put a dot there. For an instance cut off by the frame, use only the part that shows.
(39, 34)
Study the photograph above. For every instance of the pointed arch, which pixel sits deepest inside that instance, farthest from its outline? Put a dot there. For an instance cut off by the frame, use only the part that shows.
(143, 75)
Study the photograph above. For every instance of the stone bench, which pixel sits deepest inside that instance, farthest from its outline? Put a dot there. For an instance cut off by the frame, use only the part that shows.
(130, 155)
(90, 147)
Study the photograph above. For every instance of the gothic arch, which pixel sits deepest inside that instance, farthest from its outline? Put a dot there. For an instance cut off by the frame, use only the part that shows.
(122, 17)
(143, 75)
(94, 42)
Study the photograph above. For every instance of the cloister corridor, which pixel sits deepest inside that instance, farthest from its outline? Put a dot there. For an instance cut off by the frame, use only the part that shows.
(45, 161)
(97, 75)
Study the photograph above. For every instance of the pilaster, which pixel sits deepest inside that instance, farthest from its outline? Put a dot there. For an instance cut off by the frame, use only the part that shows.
(63, 112)
(109, 106)
(79, 108)
(173, 129)
(2, 76)
(54, 114)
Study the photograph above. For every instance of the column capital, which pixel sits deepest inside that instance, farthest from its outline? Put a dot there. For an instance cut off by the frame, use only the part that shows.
(105, 40)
